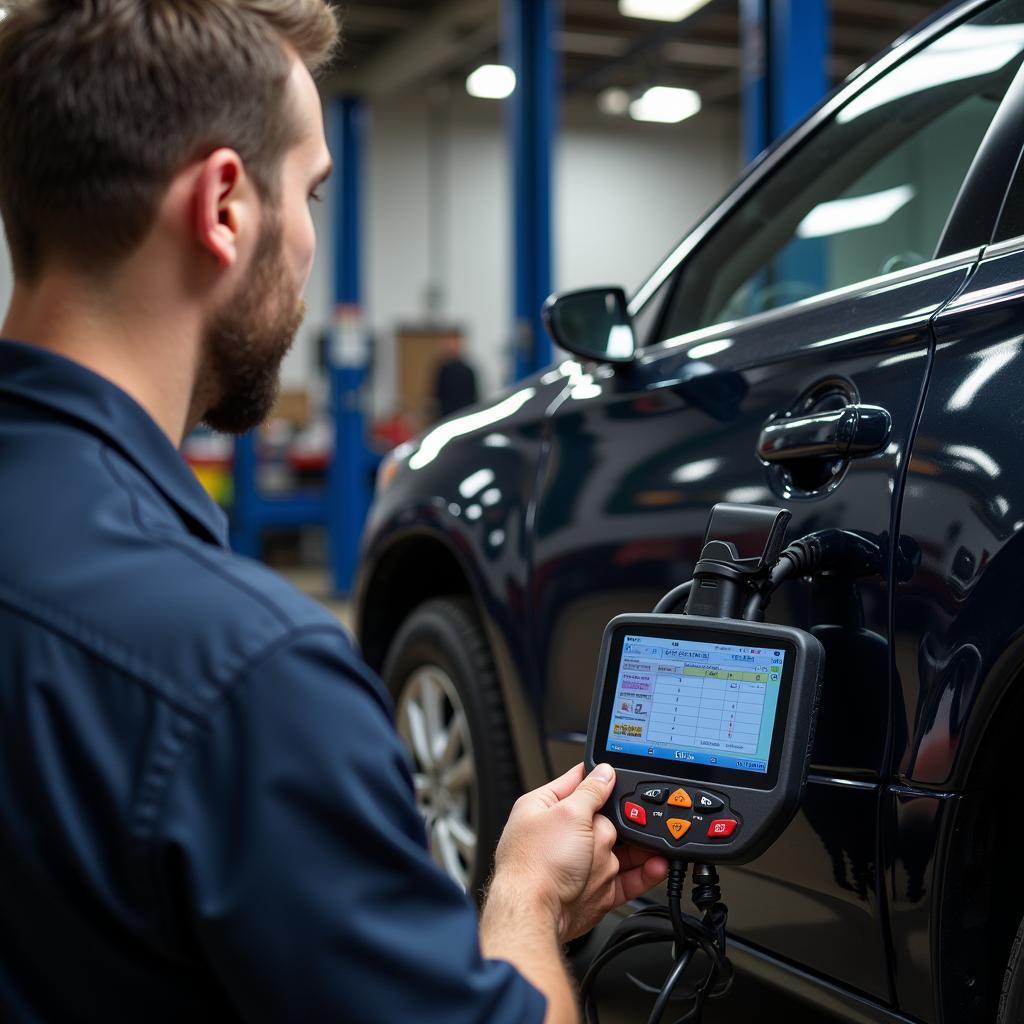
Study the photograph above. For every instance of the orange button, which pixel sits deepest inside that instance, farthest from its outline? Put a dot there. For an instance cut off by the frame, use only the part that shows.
(678, 827)
(680, 798)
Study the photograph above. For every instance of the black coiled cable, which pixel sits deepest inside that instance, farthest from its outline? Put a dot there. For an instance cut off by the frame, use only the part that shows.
(689, 934)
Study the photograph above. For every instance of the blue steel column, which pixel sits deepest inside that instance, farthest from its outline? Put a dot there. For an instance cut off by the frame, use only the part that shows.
(532, 110)
(347, 480)
(785, 66)
(785, 60)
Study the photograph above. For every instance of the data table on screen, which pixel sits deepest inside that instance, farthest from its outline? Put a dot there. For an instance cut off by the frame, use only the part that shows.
(689, 696)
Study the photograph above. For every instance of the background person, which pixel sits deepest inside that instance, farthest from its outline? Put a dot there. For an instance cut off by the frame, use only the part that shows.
(455, 381)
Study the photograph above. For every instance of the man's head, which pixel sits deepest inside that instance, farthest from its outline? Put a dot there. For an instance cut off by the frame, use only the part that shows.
(122, 119)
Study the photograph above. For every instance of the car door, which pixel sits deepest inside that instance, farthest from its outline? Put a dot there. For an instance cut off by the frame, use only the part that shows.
(811, 290)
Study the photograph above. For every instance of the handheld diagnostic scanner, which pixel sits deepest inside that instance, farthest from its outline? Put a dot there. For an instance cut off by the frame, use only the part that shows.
(708, 717)
(708, 724)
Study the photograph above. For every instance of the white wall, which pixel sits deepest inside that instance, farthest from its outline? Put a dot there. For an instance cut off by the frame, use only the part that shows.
(624, 195)
(627, 192)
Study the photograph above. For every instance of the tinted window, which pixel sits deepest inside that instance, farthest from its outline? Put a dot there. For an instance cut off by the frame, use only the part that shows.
(870, 192)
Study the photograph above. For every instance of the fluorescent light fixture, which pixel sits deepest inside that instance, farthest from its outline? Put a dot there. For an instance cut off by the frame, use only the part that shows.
(3, 13)
(660, 10)
(614, 101)
(491, 82)
(839, 215)
(665, 105)
(967, 52)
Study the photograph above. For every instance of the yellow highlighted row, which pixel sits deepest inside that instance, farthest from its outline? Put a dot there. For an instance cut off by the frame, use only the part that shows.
(717, 673)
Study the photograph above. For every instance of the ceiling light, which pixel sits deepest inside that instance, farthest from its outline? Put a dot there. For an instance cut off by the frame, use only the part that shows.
(660, 10)
(614, 101)
(491, 82)
(665, 105)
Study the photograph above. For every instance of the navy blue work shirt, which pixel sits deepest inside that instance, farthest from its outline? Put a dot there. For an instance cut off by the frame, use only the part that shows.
(205, 813)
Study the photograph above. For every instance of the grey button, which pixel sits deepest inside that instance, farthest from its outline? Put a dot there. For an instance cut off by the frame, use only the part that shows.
(707, 802)
(653, 794)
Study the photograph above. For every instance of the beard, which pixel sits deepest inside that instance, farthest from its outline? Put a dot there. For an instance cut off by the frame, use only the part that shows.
(247, 339)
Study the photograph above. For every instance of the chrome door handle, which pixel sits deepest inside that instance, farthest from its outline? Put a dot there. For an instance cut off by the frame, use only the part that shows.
(848, 433)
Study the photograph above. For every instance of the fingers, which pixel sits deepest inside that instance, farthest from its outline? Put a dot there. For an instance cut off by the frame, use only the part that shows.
(632, 856)
(558, 789)
(636, 881)
(593, 792)
(605, 836)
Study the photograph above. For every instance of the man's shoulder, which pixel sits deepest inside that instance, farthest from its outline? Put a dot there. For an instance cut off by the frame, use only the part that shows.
(221, 612)
(129, 580)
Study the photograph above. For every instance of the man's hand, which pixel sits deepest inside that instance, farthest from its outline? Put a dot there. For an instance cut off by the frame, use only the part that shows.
(558, 849)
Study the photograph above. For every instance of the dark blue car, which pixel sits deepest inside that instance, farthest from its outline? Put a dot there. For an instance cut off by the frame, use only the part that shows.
(842, 336)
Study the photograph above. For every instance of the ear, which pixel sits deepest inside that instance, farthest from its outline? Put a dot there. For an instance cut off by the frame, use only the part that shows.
(218, 202)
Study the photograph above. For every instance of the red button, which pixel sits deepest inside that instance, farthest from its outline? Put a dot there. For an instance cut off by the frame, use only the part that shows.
(636, 814)
(722, 827)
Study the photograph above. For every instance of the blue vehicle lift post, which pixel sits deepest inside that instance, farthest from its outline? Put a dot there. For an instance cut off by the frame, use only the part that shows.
(532, 114)
(785, 46)
(348, 489)
(785, 50)
(342, 507)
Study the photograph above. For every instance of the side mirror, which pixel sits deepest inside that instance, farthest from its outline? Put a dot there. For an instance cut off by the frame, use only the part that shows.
(594, 324)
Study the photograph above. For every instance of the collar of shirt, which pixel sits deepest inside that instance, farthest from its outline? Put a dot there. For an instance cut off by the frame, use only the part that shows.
(93, 403)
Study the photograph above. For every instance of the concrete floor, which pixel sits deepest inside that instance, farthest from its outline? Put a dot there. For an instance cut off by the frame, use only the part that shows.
(317, 583)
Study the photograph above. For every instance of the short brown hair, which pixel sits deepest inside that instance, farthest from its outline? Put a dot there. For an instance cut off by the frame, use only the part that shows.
(102, 102)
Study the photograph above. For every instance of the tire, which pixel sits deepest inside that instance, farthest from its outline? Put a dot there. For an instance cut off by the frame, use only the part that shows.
(1011, 999)
(450, 713)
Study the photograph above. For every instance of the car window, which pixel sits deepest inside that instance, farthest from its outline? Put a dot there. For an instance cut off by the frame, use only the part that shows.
(867, 194)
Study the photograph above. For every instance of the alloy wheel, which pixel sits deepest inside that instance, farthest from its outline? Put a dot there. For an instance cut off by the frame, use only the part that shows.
(432, 722)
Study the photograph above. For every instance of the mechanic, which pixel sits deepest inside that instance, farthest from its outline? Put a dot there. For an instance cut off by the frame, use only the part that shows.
(205, 813)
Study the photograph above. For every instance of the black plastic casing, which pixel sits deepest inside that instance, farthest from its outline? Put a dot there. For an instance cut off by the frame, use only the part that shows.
(763, 804)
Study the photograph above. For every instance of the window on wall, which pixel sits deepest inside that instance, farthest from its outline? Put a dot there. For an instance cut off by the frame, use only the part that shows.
(869, 193)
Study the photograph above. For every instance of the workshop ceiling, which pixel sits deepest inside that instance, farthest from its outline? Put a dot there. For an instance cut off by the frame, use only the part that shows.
(395, 47)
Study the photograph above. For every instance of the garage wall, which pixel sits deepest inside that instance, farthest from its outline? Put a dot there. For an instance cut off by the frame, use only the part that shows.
(625, 194)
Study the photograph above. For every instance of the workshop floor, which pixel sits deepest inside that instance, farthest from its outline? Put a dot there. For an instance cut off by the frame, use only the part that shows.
(316, 583)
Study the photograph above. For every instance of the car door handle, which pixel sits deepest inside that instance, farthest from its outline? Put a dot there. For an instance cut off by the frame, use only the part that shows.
(848, 433)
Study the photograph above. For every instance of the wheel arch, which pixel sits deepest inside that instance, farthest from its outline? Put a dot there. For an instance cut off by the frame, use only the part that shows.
(414, 567)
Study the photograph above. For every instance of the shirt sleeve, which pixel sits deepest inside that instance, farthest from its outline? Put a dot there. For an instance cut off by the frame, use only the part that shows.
(292, 852)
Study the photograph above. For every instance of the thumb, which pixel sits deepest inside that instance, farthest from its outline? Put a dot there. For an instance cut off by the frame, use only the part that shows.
(593, 792)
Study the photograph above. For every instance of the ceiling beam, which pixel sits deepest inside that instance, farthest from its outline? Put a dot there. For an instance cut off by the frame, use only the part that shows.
(455, 33)
(366, 18)
(705, 55)
(902, 13)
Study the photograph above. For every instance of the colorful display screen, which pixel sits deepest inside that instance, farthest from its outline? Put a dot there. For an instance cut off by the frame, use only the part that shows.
(696, 702)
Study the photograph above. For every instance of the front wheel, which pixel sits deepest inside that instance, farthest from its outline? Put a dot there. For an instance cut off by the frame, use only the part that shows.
(451, 717)
(1011, 1000)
